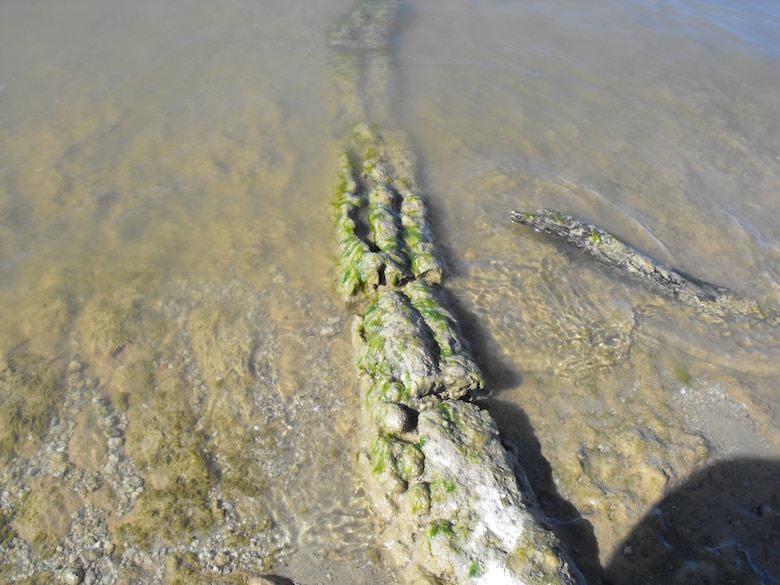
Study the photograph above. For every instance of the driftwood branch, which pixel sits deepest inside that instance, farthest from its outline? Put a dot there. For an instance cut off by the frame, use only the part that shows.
(606, 248)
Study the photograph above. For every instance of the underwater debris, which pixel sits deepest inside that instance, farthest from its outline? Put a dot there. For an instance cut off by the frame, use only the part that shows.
(714, 300)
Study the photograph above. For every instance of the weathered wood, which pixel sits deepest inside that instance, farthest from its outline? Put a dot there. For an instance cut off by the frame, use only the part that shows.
(710, 298)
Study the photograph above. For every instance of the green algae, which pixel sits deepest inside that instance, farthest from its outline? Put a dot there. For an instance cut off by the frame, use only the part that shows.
(139, 381)
(165, 442)
(7, 532)
(357, 265)
(426, 259)
(537, 560)
(43, 516)
(460, 372)
(399, 234)
(397, 219)
(445, 411)
(371, 158)
(44, 544)
(399, 345)
(441, 489)
(32, 387)
(116, 324)
(410, 352)
(382, 457)
(39, 578)
(439, 530)
(186, 569)
(386, 389)
(410, 462)
(166, 514)
(682, 375)
(365, 133)
(385, 232)
(419, 496)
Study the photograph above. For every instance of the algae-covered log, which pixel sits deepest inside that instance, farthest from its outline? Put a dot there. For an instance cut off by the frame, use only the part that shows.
(389, 161)
(400, 345)
(460, 373)
(427, 262)
(606, 248)
(367, 27)
(480, 527)
(412, 337)
(385, 232)
(441, 483)
(357, 265)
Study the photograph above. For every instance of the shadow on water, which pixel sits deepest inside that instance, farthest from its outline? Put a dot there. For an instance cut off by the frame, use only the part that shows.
(576, 532)
(499, 374)
(721, 526)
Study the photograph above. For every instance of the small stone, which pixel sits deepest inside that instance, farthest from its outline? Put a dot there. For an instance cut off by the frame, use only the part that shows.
(112, 432)
(74, 366)
(59, 464)
(394, 419)
(89, 577)
(135, 481)
(327, 331)
(115, 443)
(72, 576)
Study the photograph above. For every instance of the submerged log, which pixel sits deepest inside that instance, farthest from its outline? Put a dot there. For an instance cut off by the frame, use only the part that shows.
(454, 507)
(709, 298)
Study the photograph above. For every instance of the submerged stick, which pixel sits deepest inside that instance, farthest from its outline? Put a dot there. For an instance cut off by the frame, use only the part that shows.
(712, 299)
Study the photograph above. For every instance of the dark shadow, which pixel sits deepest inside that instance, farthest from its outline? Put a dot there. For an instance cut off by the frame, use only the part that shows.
(273, 580)
(720, 527)
(499, 375)
(575, 532)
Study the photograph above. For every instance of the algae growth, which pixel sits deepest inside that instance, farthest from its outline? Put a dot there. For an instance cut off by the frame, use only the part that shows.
(142, 216)
(32, 388)
(440, 477)
(153, 413)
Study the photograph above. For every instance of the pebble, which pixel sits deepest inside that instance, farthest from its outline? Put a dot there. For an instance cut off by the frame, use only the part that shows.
(87, 554)
(394, 419)
(328, 331)
(72, 576)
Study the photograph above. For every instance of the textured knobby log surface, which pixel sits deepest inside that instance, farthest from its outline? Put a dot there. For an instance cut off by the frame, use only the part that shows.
(454, 507)
(712, 299)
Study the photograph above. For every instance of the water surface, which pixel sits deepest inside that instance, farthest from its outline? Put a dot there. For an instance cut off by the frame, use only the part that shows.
(170, 345)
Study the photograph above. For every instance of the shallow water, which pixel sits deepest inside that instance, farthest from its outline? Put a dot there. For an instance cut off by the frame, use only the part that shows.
(168, 325)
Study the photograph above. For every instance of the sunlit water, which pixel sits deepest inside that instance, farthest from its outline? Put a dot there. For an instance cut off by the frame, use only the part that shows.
(168, 329)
